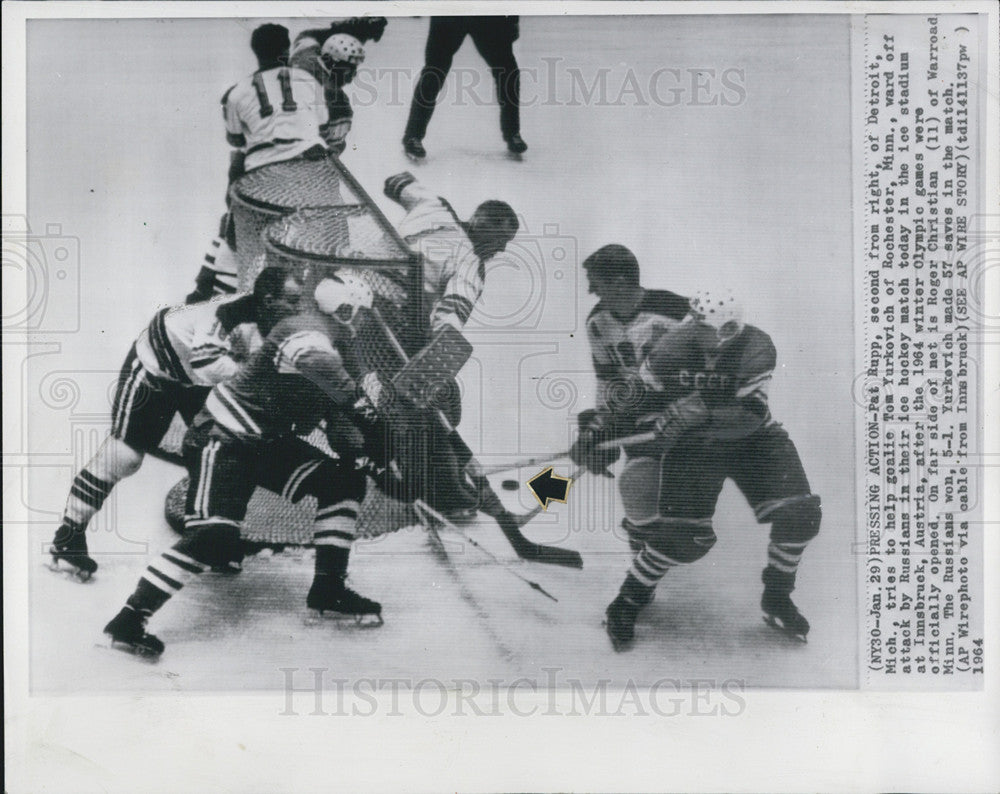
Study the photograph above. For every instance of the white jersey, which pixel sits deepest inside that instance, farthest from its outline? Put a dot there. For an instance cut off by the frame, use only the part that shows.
(275, 115)
(453, 274)
(194, 345)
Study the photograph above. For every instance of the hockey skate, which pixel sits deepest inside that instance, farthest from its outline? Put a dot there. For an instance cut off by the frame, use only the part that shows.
(127, 632)
(69, 554)
(414, 149)
(779, 611)
(331, 599)
(619, 622)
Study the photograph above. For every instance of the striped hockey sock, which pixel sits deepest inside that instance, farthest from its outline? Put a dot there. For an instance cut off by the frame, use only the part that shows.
(785, 557)
(650, 566)
(164, 578)
(86, 497)
(335, 528)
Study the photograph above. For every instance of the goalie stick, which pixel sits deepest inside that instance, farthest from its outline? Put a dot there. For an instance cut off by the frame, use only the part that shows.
(491, 504)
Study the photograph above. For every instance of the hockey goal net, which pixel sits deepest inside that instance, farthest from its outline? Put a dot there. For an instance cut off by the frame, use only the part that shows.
(313, 217)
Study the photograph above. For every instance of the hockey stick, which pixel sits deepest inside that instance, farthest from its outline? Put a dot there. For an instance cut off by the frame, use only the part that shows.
(526, 517)
(638, 438)
(425, 511)
(491, 504)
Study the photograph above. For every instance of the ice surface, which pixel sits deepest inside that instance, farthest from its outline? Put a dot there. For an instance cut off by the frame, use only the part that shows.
(127, 153)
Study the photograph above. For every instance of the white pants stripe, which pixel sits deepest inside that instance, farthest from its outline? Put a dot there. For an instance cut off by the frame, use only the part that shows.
(135, 379)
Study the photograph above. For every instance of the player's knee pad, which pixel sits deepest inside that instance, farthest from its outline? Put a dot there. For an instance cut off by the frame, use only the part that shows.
(639, 486)
(212, 543)
(681, 540)
(794, 520)
(116, 461)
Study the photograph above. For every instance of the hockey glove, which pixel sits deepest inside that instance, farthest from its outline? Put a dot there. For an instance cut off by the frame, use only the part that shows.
(397, 183)
(362, 28)
(595, 428)
(682, 415)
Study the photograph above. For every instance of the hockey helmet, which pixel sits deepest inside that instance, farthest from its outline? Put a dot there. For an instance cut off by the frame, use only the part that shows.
(342, 295)
(720, 310)
(342, 48)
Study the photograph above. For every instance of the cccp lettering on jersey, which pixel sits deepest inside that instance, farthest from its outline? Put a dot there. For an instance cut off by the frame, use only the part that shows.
(712, 381)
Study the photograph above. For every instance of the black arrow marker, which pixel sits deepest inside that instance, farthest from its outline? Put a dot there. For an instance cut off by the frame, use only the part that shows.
(548, 487)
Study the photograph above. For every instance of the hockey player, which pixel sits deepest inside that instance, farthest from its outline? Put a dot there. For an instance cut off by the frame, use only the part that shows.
(622, 328)
(275, 114)
(333, 63)
(494, 38)
(455, 254)
(332, 55)
(245, 436)
(170, 369)
(713, 373)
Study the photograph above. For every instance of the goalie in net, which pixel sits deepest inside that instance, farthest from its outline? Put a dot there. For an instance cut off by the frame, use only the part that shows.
(314, 218)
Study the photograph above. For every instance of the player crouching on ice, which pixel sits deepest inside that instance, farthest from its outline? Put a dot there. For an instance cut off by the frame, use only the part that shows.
(245, 437)
(170, 369)
(713, 372)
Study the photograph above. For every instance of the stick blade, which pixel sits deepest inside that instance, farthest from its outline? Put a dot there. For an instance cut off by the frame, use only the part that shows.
(536, 552)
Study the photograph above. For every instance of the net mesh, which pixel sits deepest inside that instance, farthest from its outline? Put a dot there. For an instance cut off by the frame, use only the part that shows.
(314, 218)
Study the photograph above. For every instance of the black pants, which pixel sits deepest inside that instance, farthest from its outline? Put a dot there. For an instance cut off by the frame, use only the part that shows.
(494, 39)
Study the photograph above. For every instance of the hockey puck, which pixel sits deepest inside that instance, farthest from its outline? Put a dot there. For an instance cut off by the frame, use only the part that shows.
(510, 485)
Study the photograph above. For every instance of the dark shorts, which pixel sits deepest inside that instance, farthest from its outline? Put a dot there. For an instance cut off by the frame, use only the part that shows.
(224, 471)
(145, 405)
(765, 467)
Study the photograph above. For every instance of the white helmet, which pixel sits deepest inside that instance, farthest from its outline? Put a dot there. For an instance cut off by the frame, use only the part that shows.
(342, 295)
(342, 48)
(720, 310)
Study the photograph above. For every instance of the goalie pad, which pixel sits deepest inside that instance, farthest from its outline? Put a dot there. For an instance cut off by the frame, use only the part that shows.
(432, 369)
(425, 382)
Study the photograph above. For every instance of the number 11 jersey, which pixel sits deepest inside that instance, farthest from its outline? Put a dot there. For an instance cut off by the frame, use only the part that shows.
(274, 115)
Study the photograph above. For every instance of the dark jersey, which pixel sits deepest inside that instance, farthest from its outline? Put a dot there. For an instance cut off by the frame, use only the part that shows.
(620, 345)
(295, 380)
(732, 379)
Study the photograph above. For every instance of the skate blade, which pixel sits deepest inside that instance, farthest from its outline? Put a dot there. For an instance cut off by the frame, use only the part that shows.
(619, 646)
(70, 571)
(143, 654)
(342, 621)
(776, 624)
